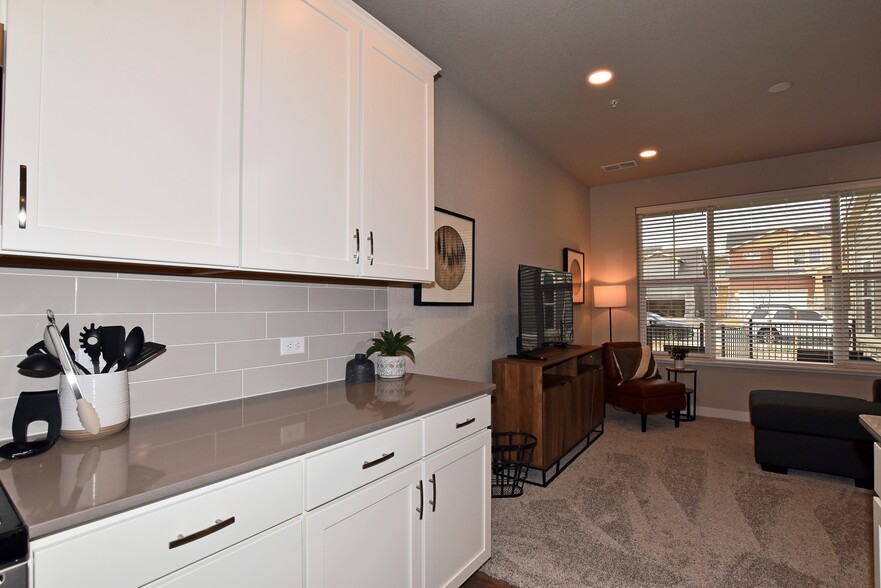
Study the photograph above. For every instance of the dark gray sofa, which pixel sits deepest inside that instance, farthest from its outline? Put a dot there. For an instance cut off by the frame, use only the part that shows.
(814, 432)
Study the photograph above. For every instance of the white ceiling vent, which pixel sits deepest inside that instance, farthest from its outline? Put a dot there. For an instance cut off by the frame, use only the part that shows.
(620, 165)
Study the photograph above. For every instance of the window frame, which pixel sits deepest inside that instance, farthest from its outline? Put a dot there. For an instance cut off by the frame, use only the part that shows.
(844, 274)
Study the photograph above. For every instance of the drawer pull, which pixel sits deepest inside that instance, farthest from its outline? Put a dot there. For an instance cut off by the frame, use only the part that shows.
(370, 257)
(419, 510)
(378, 460)
(433, 501)
(357, 246)
(218, 525)
(465, 423)
(22, 196)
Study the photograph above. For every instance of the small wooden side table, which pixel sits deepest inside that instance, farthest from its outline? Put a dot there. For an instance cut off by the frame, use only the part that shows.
(690, 393)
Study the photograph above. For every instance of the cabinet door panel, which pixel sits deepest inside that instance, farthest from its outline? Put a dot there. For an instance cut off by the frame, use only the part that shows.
(129, 131)
(398, 177)
(300, 204)
(457, 528)
(371, 537)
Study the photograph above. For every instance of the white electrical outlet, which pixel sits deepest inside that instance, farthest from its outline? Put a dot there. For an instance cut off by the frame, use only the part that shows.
(293, 345)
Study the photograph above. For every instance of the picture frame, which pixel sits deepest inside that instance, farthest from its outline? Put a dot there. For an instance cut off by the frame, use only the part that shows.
(573, 262)
(453, 262)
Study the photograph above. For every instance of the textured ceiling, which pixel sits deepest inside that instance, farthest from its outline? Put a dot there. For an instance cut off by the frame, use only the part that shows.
(691, 75)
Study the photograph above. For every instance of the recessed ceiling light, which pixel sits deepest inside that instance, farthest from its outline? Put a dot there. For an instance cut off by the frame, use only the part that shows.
(779, 87)
(648, 153)
(600, 77)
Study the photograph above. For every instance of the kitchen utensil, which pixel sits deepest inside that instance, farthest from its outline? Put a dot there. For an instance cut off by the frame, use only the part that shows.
(85, 411)
(134, 343)
(116, 366)
(38, 347)
(50, 348)
(39, 365)
(90, 341)
(112, 343)
(150, 351)
(33, 407)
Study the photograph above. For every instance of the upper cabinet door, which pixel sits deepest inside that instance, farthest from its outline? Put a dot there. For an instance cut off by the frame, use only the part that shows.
(398, 159)
(123, 129)
(300, 201)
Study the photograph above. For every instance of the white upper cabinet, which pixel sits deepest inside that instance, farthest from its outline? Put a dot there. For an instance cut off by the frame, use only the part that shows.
(123, 130)
(398, 176)
(301, 201)
(338, 155)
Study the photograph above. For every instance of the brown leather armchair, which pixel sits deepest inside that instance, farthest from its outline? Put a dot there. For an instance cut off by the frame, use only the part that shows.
(642, 396)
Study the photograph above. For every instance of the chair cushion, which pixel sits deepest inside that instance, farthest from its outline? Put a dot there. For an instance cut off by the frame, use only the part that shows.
(651, 388)
(635, 363)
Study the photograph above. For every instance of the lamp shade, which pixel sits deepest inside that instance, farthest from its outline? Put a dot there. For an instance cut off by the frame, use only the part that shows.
(610, 296)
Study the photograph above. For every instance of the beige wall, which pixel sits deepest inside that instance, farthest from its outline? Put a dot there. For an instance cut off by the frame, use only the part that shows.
(526, 210)
(724, 391)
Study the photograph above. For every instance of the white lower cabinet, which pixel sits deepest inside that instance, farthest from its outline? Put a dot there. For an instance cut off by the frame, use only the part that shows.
(137, 547)
(403, 507)
(457, 515)
(269, 560)
(369, 538)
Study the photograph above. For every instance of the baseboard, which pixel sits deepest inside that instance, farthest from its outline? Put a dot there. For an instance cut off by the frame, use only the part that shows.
(721, 413)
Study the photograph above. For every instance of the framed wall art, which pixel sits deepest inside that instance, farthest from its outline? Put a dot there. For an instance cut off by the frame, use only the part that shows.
(453, 262)
(573, 262)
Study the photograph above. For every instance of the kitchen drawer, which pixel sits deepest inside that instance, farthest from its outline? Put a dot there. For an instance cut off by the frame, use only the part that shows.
(342, 469)
(138, 546)
(448, 426)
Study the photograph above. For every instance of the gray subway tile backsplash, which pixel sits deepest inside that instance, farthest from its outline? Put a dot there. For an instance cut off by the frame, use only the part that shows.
(222, 334)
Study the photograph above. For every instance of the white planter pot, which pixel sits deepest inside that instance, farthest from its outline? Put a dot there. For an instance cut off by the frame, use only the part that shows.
(390, 367)
(679, 364)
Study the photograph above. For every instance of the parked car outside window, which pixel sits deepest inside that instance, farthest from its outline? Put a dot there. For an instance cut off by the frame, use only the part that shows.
(783, 322)
(662, 328)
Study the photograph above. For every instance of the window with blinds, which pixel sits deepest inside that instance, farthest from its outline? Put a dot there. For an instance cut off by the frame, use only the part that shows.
(792, 276)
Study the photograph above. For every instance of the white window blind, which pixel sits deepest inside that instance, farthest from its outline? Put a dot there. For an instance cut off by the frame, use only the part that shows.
(792, 277)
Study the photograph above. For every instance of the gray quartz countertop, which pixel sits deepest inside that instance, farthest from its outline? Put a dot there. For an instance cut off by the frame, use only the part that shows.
(872, 423)
(161, 455)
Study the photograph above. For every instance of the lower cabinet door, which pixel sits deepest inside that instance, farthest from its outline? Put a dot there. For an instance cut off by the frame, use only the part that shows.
(457, 511)
(371, 537)
(876, 534)
(272, 559)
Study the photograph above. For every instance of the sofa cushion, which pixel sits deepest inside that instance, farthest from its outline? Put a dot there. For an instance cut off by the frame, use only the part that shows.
(635, 363)
(815, 414)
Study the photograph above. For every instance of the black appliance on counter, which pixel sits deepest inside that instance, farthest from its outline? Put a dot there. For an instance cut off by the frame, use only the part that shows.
(13, 545)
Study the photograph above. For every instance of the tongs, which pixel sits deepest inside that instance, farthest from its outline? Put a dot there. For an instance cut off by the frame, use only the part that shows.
(85, 411)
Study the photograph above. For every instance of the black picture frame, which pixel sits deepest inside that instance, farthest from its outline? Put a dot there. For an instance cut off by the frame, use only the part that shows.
(453, 262)
(573, 262)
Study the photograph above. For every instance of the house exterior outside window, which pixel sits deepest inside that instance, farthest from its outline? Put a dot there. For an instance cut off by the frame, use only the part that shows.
(785, 276)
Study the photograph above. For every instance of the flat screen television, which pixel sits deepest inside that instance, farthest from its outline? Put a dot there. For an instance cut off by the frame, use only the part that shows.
(545, 309)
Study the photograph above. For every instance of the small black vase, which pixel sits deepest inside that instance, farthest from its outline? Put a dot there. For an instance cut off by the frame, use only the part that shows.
(359, 370)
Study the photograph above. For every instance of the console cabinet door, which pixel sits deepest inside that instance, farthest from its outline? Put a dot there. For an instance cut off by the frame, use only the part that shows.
(300, 198)
(123, 129)
(370, 537)
(457, 511)
(398, 159)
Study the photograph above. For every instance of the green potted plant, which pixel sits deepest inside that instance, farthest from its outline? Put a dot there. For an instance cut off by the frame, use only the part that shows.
(678, 355)
(393, 349)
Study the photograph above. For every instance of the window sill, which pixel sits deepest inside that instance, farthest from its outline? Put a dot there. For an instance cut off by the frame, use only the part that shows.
(870, 369)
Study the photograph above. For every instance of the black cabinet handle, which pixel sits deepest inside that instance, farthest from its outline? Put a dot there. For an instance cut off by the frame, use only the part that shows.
(419, 510)
(22, 196)
(433, 501)
(378, 460)
(218, 525)
(357, 237)
(465, 423)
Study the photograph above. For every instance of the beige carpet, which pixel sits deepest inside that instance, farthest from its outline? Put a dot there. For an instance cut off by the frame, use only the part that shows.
(685, 507)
